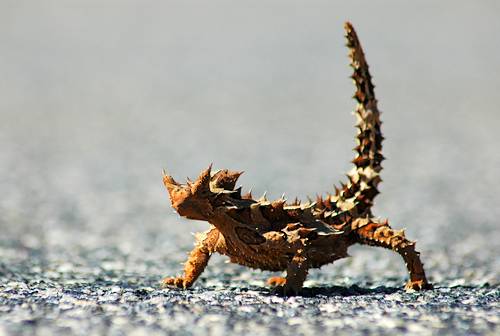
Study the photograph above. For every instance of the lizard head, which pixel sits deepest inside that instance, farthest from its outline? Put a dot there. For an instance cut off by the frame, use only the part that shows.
(197, 200)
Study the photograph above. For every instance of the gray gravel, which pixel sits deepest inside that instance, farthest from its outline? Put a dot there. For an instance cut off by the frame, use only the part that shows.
(95, 99)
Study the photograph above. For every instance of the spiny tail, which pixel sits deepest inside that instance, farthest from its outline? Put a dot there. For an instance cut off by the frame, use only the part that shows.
(358, 195)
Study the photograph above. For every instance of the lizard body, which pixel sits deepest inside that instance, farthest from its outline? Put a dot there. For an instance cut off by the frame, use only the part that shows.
(278, 236)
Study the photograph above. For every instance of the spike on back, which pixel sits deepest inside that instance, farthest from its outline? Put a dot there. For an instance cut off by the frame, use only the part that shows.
(225, 179)
(247, 196)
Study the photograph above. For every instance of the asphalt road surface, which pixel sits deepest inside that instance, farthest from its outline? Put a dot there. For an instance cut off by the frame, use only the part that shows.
(97, 97)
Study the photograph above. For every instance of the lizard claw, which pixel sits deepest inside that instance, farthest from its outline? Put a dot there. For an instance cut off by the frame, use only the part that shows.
(173, 282)
(417, 285)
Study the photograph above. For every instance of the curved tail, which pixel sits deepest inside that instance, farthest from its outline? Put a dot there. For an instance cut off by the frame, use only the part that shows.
(358, 195)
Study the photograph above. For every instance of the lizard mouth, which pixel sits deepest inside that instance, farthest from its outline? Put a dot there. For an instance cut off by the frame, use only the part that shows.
(193, 210)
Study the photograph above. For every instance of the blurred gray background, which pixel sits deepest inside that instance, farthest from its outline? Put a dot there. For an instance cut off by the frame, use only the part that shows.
(96, 97)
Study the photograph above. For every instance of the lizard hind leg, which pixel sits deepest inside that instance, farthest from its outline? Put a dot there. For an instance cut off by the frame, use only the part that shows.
(376, 233)
(296, 274)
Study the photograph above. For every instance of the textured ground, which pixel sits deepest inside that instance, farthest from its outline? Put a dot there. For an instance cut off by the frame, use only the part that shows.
(96, 99)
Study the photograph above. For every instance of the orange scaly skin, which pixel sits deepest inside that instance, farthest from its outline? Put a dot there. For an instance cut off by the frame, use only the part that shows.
(277, 236)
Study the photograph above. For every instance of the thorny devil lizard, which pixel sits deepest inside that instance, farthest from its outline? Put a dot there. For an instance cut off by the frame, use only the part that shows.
(295, 237)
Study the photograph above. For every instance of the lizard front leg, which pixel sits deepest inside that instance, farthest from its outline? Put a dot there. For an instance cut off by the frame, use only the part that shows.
(380, 234)
(197, 261)
(296, 274)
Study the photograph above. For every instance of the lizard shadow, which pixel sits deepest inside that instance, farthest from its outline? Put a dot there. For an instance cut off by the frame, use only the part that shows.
(353, 290)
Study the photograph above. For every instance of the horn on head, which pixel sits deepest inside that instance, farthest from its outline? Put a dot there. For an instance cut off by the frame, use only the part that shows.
(203, 182)
(169, 181)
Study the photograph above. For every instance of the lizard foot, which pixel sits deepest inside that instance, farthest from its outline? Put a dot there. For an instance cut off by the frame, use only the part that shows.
(173, 282)
(276, 281)
(417, 285)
